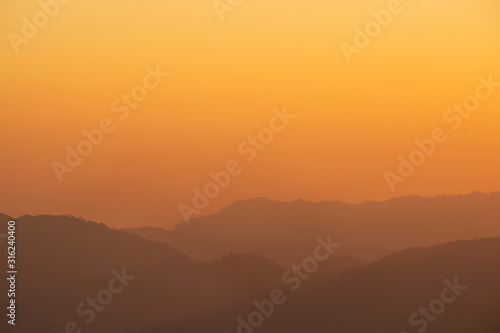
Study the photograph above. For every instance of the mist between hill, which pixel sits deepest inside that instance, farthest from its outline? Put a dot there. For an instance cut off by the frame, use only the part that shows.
(293, 279)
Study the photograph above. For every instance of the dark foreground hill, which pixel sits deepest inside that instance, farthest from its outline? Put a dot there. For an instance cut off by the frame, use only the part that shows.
(447, 288)
(71, 271)
(76, 274)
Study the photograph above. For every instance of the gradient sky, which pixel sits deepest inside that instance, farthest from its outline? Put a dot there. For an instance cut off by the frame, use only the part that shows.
(353, 121)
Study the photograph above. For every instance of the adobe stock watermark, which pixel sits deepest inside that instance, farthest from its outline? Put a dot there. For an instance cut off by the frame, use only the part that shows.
(249, 150)
(454, 117)
(223, 6)
(436, 307)
(31, 27)
(88, 310)
(292, 279)
(372, 29)
(94, 137)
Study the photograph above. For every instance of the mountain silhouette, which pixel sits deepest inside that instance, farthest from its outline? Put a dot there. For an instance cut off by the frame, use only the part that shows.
(65, 260)
(283, 231)
(65, 263)
(382, 296)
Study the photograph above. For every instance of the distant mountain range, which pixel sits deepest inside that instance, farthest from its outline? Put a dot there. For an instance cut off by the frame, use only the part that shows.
(283, 231)
(65, 262)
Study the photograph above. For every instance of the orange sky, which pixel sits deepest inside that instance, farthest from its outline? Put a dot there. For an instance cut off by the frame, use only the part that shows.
(353, 120)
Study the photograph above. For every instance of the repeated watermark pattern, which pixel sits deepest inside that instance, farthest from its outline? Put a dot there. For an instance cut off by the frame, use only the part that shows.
(425, 315)
(89, 309)
(292, 279)
(31, 27)
(372, 29)
(223, 6)
(453, 117)
(249, 150)
(122, 106)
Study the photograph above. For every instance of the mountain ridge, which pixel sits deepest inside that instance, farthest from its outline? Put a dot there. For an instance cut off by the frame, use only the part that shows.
(367, 231)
